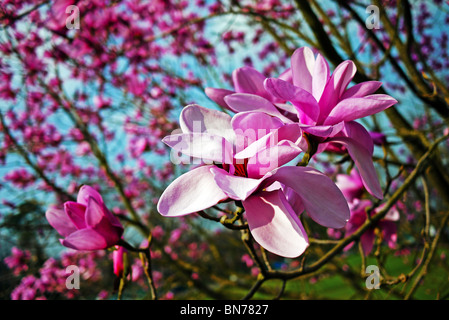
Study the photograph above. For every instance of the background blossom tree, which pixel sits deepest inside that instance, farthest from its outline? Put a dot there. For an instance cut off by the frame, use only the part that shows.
(91, 105)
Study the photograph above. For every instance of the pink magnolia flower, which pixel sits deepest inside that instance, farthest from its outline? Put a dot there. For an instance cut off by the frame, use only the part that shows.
(271, 196)
(387, 225)
(323, 107)
(86, 224)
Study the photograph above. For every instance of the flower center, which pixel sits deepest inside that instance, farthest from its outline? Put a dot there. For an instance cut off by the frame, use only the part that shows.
(240, 169)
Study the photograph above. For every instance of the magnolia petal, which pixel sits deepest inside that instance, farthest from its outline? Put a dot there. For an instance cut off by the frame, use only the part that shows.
(287, 110)
(342, 76)
(243, 102)
(323, 131)
(217, 95)
(364, 163)
(193, 191)
(252, 126)
(294, 200)
(109, 232)
(274, 225)
(85, 239)
(303, 62)
(335, 87)
(320, 76)
(356, 108)
(100, 219)
(361, 89)
(271, 158)
(287, 75)
(249, 80)
(356, 131)
(95, 212)
(205, 146)
(59, 220)
(290, 132)
(235, 187)
(197, 119)
(255, 121)
(307, 107)
(322, 199)
(87, 192)
(76, 212)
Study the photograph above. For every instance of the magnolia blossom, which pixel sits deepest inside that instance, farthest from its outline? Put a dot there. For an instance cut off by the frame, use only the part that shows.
(271, 195)
(352, 188)
(323, 108)
(86, 224)
(386, 226)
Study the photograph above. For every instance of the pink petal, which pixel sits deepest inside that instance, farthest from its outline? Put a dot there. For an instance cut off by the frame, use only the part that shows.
(287, 75)
(323, 131)
(287, 110)
(361, 89)
(356, 108)
(320, 77)
(59, 220)
(303, 62)
(251, 126)
(243, 102)
(217, 95)
(204, 146)
(193, 191)
(103, 222)
(321, 198)
(95, 212)
(290, 132)
(249, 80)
(271, 158)
(255, 121)
(335, 87)
(364, 163)
(274, 225)
(85, 239)
(76, 212)
(197, 119)
(356, 131)
(294, 200)
(235, 187)
(87, 192)
(307, 107)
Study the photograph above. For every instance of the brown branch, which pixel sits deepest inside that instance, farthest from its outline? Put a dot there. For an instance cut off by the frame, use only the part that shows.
(429, 257)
